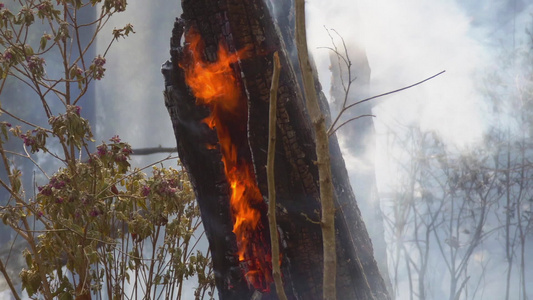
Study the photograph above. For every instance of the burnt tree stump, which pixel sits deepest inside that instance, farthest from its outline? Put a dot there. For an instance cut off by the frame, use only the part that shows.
(246, 27)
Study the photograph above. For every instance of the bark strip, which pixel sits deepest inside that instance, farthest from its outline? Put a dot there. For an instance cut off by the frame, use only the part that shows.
(274, 241)
(323, 159)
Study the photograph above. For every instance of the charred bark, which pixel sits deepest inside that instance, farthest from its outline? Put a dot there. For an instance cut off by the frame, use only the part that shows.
(206, 173)
(247, 24)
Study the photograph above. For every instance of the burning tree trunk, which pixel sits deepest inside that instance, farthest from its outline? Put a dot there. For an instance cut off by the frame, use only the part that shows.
(217, 93)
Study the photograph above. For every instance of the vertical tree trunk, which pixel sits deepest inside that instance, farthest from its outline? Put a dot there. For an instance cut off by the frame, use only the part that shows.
(246, 24)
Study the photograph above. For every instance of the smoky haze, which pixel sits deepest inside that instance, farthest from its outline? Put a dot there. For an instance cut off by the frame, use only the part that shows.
(448, 236)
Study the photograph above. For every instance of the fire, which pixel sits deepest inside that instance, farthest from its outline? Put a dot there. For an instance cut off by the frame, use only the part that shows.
(214, 84)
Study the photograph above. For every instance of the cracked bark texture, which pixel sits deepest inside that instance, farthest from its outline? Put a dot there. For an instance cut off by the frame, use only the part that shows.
(247, 24)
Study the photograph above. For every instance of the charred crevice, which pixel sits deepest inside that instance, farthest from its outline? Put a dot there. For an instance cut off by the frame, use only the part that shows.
(234, 126)
(295, 172)
(246, 25)
(206, 172)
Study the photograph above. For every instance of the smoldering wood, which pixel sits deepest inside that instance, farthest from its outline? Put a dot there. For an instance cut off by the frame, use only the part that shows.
(247, 24)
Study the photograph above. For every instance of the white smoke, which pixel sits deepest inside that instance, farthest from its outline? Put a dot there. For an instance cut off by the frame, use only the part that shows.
(407, 41)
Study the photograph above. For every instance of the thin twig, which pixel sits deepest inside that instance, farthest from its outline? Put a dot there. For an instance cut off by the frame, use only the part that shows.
(348, 121)
(34, 162)
(395, 91)
(8, 280)
(348, 63)
(380, 95)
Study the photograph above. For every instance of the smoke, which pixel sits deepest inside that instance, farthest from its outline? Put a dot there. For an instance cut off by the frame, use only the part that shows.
(406, 42)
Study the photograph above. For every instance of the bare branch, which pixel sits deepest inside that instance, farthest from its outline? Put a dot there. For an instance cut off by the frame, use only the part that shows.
(154, 150)
(381, 95)
(348, 121)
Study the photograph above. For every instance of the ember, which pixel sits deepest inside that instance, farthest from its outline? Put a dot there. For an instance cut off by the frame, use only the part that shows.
(214, 84)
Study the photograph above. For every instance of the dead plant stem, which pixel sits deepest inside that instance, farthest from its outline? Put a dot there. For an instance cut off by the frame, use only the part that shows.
(274, 242)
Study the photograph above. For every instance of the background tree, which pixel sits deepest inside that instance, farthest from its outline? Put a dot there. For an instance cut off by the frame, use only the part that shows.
(457, 216)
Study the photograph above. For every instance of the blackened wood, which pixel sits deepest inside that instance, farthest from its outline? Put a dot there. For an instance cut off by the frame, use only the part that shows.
(348, 220)
(247, 24)
(354, 246)
(206, 173)
(297, 191)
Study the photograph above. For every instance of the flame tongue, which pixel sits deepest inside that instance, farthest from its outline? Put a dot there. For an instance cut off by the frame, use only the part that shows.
(214, 85)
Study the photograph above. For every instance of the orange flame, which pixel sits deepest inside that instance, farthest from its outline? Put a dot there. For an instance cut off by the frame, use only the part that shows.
(214, 84)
